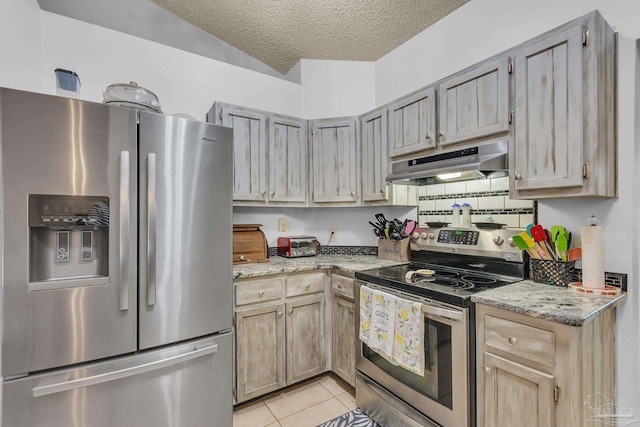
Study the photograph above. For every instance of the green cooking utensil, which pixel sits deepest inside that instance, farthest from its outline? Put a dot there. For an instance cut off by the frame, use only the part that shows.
(556, 230)
(520, 242)
(562, 245)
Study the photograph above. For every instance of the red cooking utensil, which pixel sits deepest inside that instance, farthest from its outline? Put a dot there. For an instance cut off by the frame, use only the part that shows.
(539, 235)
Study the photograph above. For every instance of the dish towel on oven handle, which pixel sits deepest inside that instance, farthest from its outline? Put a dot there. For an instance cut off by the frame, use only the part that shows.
(408, 346)
(382, 329)
(366, 298)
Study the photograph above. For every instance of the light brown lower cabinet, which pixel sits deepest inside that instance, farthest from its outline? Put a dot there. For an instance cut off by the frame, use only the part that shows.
(259, 351)
(305, 338)
(279, 331)
(344, 345)
(538, 373)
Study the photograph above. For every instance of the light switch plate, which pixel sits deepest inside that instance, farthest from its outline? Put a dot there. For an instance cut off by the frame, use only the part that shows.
(282, 224)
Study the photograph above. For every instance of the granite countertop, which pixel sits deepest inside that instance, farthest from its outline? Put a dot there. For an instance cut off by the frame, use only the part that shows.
(554, 303)
(279, 265)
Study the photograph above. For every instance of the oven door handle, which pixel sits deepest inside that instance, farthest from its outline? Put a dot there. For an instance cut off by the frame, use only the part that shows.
(442, 312)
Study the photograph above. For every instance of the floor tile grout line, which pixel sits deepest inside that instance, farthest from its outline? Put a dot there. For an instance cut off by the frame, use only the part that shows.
(333, 397)
(270, 411)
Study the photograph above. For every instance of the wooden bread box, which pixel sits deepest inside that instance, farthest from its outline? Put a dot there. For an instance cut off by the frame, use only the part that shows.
(249, 244)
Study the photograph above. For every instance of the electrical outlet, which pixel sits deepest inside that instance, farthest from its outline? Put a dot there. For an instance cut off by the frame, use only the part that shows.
(282, 224)
(333, 235)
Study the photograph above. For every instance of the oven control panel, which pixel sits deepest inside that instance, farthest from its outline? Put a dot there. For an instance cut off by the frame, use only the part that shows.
(458, 237)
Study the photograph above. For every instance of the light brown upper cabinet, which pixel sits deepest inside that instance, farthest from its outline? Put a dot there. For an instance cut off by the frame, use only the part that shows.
(287, 160)
(269, 155)
(474, 104)
(412, 123)
(335, 166)
(375, 159)
(565, 144)
(249, 150)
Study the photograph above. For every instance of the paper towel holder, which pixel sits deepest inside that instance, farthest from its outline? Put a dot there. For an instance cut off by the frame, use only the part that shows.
(593, 221)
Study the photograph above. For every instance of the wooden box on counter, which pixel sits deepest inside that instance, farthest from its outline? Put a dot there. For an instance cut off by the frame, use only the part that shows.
(393, 250)
(249, 244)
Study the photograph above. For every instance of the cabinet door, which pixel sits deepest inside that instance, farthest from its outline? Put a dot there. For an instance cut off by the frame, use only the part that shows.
(516, 395)
(549, 113)
(375, 158)
(259, 351)
(287, 160)
(305, 338)
(249, 152)
(334, 160)
(474, 104)
(412, 123)
(344, 339)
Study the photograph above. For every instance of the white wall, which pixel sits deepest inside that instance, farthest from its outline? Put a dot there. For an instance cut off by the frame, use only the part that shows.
(352, 223)
(482, 28)
(336, 88)
(184, 82)
(20, 48)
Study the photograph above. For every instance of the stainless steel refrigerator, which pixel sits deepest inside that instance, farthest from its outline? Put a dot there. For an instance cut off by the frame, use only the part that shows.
(116, 266)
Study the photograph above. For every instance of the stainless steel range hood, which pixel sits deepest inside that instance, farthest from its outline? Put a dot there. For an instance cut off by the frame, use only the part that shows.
(489, 157)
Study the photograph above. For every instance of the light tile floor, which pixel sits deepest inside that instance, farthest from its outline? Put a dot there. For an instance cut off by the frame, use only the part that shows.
(304, 405)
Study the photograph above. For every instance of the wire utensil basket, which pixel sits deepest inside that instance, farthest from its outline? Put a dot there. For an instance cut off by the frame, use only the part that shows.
(557, 273)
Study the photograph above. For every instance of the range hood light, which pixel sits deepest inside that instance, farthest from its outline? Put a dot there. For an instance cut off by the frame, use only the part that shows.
(449, 176)
(464, 164)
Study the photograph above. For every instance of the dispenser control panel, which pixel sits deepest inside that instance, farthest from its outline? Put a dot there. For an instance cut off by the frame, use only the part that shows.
(46, 210)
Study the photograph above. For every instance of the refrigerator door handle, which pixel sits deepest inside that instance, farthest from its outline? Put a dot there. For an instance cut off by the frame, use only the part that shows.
(151, 229)
(124, 230)
(47, 389)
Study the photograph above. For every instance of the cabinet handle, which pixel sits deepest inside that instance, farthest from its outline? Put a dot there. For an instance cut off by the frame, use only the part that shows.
(241, 257)
(350, 311)
(273, 193)
(427, 137)
(440, 133)
(263, 193)
(353, 194)
(518, 177)
(291, 311)
(512, 340)
(279, 314)
(487, 370)
(261, 293)
(381, 191)
(339, 286)
(307, 286)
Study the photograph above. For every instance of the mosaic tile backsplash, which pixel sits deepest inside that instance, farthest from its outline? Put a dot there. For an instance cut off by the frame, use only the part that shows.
(487, 197)
(338, 250)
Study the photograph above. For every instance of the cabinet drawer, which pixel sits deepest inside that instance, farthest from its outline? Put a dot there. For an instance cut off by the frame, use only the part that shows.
(343, 286)
(258, 290)
(305, 284)
(527, 342)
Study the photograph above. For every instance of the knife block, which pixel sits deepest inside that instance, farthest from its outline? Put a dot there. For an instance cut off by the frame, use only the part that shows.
(249, 244)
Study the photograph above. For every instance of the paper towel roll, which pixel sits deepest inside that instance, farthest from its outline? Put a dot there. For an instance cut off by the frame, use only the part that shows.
(592, 257)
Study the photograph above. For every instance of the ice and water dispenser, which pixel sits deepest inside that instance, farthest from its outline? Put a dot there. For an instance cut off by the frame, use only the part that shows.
(69, 241)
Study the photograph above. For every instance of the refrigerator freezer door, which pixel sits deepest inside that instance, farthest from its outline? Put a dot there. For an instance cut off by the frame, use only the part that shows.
(69, 148)
(184, 385)
(185, 229)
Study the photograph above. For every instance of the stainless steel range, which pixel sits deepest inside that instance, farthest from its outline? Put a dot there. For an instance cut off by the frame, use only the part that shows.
(448, 266)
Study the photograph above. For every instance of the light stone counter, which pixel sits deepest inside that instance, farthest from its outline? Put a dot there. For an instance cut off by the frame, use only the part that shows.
(553, 303)
(340, 263)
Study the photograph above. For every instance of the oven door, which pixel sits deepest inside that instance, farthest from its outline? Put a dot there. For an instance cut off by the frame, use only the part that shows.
(442, 394)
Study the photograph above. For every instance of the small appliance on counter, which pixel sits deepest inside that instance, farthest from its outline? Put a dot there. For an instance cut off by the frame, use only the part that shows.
(249, 244)
(297, 246)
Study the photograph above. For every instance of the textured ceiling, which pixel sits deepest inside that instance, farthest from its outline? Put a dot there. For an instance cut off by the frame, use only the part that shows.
(281, 32)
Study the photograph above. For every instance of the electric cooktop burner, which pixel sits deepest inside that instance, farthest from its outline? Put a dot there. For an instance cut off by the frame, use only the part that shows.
(453, 285)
